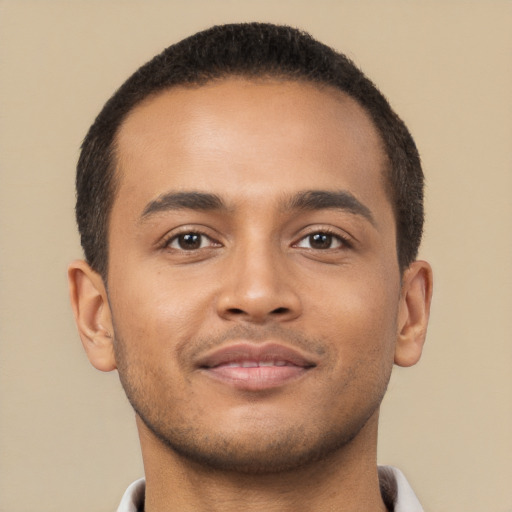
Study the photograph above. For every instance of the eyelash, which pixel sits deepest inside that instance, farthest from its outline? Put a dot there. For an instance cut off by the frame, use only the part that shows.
(167, 242)
(344, 242)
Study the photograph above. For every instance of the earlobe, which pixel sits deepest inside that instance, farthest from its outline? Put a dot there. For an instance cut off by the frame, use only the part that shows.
(92, 314)
(414, 312)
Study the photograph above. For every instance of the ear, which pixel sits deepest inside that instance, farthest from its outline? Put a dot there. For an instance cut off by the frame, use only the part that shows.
(413, 313)
(92, 314)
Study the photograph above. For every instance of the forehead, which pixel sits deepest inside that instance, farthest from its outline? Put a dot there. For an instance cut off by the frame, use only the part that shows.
(270, 133)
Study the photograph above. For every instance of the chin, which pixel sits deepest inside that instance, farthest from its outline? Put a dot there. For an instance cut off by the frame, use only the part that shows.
(256, 451)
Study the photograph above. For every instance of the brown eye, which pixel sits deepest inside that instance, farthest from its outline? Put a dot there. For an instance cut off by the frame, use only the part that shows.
(321, 241)
(189, 241)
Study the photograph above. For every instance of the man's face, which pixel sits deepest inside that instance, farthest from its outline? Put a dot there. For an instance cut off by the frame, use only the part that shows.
(253, 278)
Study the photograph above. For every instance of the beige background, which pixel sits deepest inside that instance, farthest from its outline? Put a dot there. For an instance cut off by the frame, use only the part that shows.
(67, 436)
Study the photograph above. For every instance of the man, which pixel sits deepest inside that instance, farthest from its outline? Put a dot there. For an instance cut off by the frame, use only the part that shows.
(250, 209)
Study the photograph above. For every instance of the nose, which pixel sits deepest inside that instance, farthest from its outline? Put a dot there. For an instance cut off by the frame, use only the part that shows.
(259, 288)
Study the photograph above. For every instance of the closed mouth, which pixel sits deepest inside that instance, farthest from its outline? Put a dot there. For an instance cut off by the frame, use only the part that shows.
(255, 364)
(255, 367)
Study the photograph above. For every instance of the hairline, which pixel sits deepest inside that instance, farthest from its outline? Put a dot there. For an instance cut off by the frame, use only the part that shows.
(257, 78)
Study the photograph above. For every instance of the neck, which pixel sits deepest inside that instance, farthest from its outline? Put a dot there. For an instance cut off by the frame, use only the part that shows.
(346, 481)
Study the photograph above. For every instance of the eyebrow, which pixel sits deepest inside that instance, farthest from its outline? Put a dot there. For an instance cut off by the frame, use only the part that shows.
(308, 200)
(327, 199)
(183, 201)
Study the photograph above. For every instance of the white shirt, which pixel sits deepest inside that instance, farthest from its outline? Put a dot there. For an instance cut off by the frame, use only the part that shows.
(406, 501)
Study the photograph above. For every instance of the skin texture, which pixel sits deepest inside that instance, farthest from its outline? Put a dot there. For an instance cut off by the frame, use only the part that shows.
(256, 276)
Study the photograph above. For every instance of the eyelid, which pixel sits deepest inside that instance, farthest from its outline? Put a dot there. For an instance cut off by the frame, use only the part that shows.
(176, 240)
(172, 235)
(345, 240)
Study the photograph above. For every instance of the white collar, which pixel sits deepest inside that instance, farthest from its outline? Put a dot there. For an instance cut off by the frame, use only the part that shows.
(406, 501)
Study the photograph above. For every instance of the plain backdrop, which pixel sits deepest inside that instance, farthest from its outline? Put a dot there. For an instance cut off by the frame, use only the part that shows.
(67, 434)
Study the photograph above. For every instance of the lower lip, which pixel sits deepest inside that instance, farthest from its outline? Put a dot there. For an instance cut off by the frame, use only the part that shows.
(256, 378)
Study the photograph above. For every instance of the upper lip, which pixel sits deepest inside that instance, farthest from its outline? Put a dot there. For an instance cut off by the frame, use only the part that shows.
(260, 352)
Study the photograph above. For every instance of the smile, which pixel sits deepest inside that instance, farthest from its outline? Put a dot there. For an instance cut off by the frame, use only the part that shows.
(252, 367)
(257, 364)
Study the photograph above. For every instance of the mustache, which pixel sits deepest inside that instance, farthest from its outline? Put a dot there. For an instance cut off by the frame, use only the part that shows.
(192, 349)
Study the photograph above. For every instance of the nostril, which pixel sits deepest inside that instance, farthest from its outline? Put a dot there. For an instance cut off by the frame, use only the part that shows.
(277, 311)
(236, 311)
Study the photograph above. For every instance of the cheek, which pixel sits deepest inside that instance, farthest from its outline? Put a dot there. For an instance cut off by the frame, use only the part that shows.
(359, 318)
(153, 315)
(368, 300)
(157, 296)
